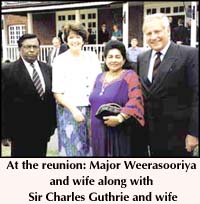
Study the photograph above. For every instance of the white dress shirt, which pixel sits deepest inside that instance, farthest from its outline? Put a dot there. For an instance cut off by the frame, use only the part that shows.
(30, 71)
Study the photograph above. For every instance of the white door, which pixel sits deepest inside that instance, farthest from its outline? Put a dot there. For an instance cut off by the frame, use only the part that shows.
(88, 17)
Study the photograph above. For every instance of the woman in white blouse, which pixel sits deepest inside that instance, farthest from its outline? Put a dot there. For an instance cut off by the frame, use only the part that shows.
(74, 73)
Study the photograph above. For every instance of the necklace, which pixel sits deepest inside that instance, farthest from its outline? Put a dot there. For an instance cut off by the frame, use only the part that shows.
(104, 84)
(107, 79)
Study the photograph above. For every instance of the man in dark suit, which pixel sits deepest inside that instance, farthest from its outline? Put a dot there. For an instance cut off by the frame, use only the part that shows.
(28, 104)
(58, 49)
(170, 87)
(103, 34)
(180, 33)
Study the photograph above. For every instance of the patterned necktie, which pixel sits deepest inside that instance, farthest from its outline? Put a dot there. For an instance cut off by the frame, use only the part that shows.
(156, 64)
(37, 82)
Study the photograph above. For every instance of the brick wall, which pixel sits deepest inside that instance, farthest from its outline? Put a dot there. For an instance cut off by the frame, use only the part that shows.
(135, 23)
(44, 27)
(15, 20)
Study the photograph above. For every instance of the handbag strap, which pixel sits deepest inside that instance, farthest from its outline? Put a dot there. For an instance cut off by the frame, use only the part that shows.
(114, 104)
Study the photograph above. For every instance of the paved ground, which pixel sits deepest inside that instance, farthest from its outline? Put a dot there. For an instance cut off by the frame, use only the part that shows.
(53, 144)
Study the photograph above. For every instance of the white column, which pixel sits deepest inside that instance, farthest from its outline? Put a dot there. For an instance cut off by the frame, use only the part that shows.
(77, 13)
(4, 39)
(193, 34)
(125, 23)
(30, 22)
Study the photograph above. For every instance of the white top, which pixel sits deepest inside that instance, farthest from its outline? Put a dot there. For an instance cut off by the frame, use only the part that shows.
(75, 76)
(30, 71)
(152, 60)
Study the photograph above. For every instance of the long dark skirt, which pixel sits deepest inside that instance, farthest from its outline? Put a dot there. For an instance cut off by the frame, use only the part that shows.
(126, 140)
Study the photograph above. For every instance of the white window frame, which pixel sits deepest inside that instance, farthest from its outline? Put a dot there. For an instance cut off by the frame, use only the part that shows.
(15, 32)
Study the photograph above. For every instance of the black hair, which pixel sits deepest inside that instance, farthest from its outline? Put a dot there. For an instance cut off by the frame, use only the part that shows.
(116, 44)
(25, 37)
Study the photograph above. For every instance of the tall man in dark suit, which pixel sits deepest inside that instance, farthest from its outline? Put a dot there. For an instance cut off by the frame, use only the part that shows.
(28, 104)
(170, 85)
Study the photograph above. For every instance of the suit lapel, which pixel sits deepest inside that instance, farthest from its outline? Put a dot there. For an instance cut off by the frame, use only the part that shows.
(165, 67)
(46, 77)
(25, 78)
(144, 68)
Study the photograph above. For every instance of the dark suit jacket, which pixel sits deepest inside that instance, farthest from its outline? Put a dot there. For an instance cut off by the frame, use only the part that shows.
(62, 49)
(171, 102)
(24, 114)
(103, 37)
(180, 33)
(60, 33)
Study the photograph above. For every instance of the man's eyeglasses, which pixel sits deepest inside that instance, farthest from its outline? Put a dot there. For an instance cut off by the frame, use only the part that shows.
(28, 47)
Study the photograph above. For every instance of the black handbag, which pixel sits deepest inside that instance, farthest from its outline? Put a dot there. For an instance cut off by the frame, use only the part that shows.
(107, 110)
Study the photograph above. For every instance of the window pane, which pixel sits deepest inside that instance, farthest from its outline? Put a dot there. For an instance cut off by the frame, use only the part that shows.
(153, 10)
(168, 10)
(162, 10)
(82, 16)
(181, 9)
(94, 15)
(148, 11)
(176, 9)
(15, 32)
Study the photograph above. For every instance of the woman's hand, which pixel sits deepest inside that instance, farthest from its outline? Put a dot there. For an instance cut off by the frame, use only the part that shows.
(78, 116)
(111, 121)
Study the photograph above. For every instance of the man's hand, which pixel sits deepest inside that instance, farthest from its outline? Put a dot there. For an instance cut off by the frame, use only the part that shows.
(191, 142)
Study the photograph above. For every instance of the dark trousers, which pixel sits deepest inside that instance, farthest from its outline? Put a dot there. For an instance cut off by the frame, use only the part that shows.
(28, 147)
(139, 142)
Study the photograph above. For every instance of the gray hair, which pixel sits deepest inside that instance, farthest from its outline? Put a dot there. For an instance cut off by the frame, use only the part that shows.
(156, 16)
(56, 38)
